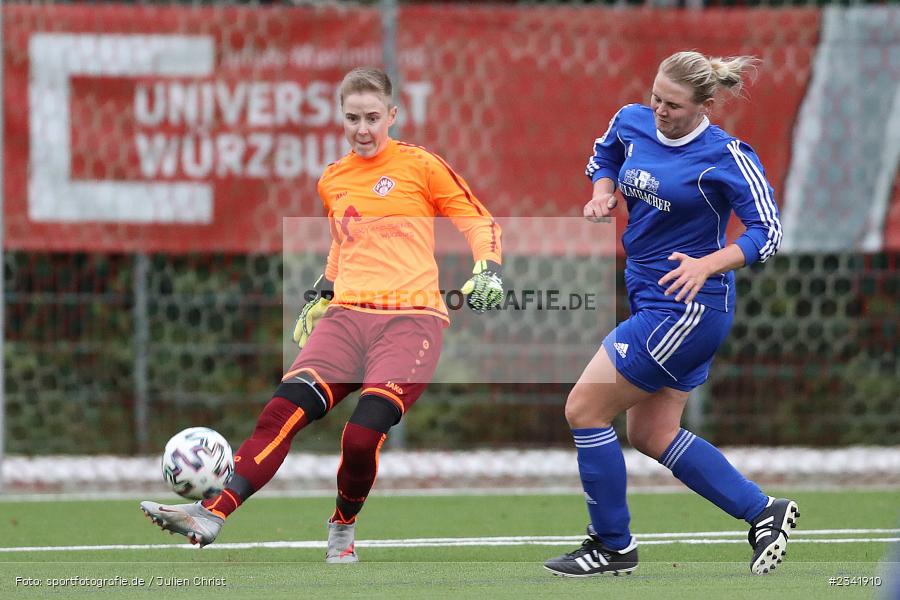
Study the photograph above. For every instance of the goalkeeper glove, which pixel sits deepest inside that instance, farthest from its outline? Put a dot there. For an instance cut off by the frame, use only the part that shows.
(313, 310)
(484, 291)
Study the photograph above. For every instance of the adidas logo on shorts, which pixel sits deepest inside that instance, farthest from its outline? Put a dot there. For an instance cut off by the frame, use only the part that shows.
(621, 348)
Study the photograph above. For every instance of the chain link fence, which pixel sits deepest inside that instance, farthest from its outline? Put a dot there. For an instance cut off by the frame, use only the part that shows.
(811, 360)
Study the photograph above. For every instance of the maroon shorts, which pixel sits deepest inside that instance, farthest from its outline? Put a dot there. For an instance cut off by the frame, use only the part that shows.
(392, 356)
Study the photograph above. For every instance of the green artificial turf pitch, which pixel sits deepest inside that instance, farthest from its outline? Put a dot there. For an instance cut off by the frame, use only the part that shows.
(681, 553)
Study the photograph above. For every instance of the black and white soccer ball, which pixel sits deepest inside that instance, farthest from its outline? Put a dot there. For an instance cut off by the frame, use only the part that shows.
(197, 463)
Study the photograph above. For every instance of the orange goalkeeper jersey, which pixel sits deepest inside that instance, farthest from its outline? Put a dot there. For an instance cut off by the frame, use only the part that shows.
(381, 211)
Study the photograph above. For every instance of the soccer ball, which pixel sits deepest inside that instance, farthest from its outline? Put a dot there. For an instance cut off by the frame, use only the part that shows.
(197, 463)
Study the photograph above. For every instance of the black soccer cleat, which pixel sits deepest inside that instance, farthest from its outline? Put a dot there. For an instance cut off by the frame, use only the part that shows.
(593, 559)
(769, 534)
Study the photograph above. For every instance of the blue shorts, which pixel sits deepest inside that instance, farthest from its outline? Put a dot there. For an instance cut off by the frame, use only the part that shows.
(665, 343)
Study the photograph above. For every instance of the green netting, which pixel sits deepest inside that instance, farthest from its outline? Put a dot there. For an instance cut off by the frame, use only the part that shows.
(812, 358)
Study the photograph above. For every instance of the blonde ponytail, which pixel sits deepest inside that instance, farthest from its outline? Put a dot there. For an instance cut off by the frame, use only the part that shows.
(730, 72)
(704, 74)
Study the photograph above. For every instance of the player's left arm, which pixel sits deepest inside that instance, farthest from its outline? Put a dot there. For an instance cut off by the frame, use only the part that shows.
(753, 201)
(687, 279)
(454, 198)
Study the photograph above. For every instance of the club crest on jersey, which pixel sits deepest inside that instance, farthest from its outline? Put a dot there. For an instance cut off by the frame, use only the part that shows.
(384, 185)
(643, 180)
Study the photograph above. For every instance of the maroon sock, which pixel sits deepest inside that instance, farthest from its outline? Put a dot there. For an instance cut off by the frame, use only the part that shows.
(259, 457)
(356, 474)
(224, 504)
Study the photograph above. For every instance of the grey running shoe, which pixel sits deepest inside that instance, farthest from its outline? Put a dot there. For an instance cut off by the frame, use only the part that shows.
(193, 521)
(341, 548)
(769, 534)
(593, 558)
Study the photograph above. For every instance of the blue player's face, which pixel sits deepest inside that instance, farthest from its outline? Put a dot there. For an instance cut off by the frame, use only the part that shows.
(674, 110)
(367, 119)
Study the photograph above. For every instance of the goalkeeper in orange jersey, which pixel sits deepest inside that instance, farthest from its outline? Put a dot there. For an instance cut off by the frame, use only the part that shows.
(376, 321)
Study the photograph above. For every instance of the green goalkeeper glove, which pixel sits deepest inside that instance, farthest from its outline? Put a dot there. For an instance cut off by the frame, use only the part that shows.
(313, 310)
(484, 291)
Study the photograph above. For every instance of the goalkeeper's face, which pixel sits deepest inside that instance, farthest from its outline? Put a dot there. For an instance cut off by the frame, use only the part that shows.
(367, 119)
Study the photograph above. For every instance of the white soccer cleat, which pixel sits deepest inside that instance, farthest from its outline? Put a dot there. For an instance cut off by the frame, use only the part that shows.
(341, 547)
(193, 521)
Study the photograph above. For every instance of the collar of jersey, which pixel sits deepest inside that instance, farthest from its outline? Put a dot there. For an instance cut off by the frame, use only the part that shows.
(380, 158)
(687, 139)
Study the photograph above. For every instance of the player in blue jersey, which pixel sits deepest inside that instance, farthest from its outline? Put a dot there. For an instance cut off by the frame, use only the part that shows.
(681, 177)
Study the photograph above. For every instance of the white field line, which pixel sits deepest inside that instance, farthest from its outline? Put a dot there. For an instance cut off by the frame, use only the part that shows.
(713, 537)
(156, 493)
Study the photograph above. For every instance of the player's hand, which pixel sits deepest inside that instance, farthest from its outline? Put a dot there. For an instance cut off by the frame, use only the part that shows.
(484, 291)
(312, 311)
(685, 280)
(600, 207)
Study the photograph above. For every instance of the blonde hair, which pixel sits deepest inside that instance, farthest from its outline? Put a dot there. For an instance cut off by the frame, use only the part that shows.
(367, 79)
(704, 75)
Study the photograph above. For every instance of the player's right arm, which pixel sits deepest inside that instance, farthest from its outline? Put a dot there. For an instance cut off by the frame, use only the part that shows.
(602, 201)
(317, 301)
(334, 254)
(318, 298)
(603, 171)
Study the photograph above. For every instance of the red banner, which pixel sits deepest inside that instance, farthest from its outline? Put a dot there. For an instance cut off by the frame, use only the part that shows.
(197, 129)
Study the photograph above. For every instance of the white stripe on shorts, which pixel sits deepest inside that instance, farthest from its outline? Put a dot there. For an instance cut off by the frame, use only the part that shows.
(677, 334)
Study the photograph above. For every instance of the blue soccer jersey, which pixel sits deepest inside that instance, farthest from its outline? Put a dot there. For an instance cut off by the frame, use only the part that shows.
(680, 194)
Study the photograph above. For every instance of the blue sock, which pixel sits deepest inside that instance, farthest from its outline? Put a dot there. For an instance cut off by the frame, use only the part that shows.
(602, 469)
(701, 467)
